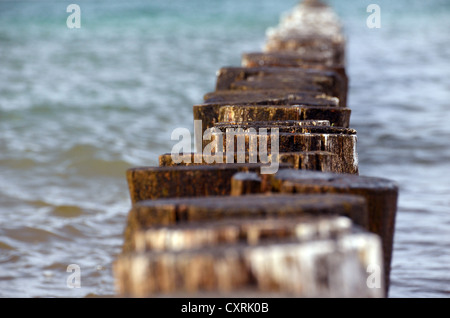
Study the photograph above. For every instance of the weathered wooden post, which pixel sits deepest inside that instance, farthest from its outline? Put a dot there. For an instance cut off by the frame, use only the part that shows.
(252, 138)
(147, 183)
(271, 97)
(168, 211)
(307, 79)
(211, 114)
(191, 246)
(381, 196)
(205, 226)
(331, 264)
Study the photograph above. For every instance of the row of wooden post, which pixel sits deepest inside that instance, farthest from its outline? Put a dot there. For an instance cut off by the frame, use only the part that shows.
(215, 226)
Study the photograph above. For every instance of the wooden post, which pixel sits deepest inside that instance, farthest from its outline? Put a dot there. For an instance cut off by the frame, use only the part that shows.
(245, 183)
(200, 227)
(270, 97)
(194, 235)
(381, 196)
(308, 160)
(339, 141)
(307, 257)
(315, 80)
(147, 183)
(211, 114)
(150, 213)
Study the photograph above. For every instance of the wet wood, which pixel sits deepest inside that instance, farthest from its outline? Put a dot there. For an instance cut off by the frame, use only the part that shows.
(381, 196)
(316, 46)
(270, 97)
(337, 116)
(315, 160)
(148, 213)
(294, 137)
(249, 78)
(200, 227)
(310, 29)
(308, 160)
(294, 127)
(210, 114)
(341, 142)
(244, 183)
(193, 158)
(184, 181)
(270, 124)
(304, 59)
(334, 267)
(166, 160)
(196, 235)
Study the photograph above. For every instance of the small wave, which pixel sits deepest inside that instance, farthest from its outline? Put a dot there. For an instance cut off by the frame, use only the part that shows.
(56, 266)
(98, 167)
(32, 235)
(86, 160)
(79, 151)
(74, 230)
(4, 246)
(20, 164)
(68, 211)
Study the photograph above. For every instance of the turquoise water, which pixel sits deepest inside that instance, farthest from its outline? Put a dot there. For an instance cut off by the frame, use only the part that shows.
(80, 106)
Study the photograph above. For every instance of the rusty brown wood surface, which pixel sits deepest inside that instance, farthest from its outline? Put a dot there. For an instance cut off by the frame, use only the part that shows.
(146, 183)
(253, 231)
(381, 195)
(334, 267)
(270, 97)
(305, 59)
(341, 144)
(270, 124)
(149, 213)
(308, 160)
(315, 80)
(210, 114)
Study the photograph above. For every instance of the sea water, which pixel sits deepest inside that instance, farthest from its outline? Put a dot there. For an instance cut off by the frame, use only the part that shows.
(79, 106)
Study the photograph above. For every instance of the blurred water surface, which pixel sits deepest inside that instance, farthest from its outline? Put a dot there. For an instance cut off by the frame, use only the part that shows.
(80, 106)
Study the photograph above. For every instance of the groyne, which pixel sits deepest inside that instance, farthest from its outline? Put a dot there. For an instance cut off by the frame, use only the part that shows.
(272, 202)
